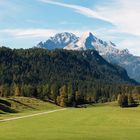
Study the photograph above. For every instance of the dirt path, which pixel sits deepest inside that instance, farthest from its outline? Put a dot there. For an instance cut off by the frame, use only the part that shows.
(32, 115)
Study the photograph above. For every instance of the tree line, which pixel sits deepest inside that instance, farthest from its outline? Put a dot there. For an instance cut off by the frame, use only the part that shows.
(75, 94)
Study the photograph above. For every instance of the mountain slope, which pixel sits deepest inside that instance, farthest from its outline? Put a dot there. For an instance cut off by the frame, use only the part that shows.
(128, 61)
(35, 66)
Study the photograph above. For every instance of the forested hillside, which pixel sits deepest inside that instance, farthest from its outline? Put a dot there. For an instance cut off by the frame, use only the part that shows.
(64, 77)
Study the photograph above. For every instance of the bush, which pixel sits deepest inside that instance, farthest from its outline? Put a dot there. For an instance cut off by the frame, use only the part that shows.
(123, 100)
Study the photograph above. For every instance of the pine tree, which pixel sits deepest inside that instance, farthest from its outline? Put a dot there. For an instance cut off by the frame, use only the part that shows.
(54, 92)
(45, 91)
(70, 94)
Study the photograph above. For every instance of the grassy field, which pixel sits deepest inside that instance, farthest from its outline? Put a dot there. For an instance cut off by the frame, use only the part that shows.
(105, 122)
(25, 106)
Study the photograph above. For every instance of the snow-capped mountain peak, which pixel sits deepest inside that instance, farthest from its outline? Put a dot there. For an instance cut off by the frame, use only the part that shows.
(64, 37)
(69, 41)
(87, 35)
(85, 42)
(89, 41)
(60, 40)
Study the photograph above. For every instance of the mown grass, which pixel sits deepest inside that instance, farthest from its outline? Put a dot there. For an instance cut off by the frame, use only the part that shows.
(107, 122)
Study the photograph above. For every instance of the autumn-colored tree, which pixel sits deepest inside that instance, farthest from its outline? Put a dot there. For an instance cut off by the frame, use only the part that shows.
(58, 100)
(63, 96)
(17, 90)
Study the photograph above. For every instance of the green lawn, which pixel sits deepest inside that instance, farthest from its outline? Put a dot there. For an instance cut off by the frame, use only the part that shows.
(106, 122)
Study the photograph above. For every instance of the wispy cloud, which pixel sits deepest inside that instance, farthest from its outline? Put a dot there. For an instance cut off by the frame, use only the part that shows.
(69, 23)
(28, 33)
(124, 14)
(34, 33)
(79, 9)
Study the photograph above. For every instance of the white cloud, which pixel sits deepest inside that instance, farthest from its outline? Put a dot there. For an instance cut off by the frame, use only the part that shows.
(79, 9)
(124, 14)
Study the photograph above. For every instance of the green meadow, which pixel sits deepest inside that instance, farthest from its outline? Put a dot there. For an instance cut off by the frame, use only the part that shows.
(101, 122)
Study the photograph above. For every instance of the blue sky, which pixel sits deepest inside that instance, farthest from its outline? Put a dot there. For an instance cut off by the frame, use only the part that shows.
(24, 23)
